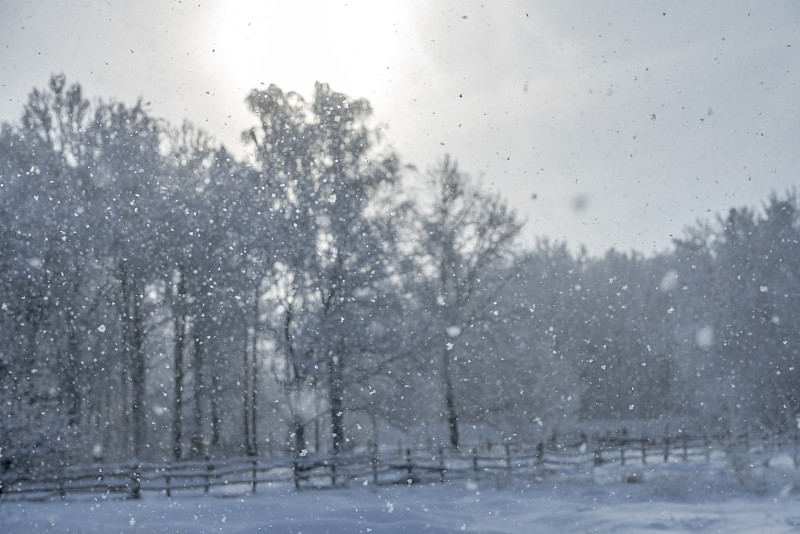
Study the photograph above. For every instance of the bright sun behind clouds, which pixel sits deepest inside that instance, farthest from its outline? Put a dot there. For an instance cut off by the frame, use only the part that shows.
(294, 44)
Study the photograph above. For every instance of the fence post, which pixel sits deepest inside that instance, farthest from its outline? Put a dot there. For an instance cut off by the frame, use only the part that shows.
(409, 466)
(255, 472)
(598, 454)
(375, 460)
(796, 456)
(296, 472)
(540, 455)
(442, 468)
(475, 462)
(707, 443)
(622, 444)
(685, 439)
(168, 479)
(136, 481)
(333, 463)
(666, 448)
(598, 457)
(508, 458)
(644, 450)
(769, 446)
(209, 469)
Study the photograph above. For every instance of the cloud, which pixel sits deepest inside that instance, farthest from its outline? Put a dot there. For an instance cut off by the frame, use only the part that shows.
(658, 113)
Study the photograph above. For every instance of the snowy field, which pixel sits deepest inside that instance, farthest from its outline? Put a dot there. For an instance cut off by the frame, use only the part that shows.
(674, 498)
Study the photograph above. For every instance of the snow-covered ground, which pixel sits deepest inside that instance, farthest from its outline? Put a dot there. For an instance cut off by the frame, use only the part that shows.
(672, 498)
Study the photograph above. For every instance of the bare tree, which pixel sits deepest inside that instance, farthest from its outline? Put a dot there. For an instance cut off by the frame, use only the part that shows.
(327, 183)
(463, 233)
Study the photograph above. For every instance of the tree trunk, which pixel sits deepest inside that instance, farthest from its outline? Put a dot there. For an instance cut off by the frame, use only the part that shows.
(299, 430)
(138, 382)
(71, 394)
(254, 377)
(198, 448)
(246, 389)
(450, 401)
(133, 338)
(336, 402)
(179, 316)
(216, 423)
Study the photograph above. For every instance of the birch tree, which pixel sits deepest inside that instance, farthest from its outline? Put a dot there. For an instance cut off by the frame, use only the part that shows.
(328, 187)
(464, 233)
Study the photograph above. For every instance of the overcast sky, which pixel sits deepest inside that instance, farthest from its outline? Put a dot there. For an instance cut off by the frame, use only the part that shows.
(609, 124)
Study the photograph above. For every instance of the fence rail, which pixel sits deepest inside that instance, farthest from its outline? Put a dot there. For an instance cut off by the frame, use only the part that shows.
(561, 454)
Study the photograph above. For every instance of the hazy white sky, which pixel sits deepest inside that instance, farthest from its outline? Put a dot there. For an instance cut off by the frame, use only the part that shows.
(612, 124)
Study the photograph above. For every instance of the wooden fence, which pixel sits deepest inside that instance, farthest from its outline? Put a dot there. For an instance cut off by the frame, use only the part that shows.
(574, 455)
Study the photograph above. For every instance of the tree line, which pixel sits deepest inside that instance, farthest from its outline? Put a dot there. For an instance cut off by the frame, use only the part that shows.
(163, 298)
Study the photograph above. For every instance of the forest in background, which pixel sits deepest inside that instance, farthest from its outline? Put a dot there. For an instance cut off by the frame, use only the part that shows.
(163, 299)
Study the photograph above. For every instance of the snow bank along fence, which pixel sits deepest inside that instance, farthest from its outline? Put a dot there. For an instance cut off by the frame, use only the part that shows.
(566, 454)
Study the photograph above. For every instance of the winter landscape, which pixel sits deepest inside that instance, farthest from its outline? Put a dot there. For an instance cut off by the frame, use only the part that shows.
(319, 325)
